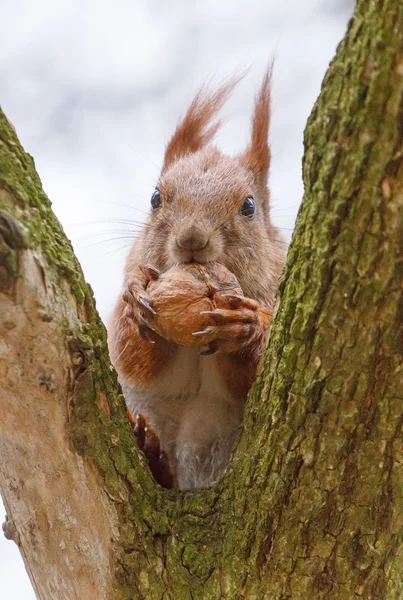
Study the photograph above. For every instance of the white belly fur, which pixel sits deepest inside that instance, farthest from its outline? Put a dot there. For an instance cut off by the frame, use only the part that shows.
(195, 417)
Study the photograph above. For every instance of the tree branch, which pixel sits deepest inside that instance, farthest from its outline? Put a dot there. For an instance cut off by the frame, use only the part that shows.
(311, 504)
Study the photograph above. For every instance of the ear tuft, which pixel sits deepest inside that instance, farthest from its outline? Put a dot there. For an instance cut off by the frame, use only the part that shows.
(257, 155)
(196, 129)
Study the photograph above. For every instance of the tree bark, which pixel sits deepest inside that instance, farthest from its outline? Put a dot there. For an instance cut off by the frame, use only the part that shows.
(311, 505)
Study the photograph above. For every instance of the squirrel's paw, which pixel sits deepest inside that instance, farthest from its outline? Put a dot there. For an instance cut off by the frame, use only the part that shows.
(138, 304)
(149, 443)
(237, 323)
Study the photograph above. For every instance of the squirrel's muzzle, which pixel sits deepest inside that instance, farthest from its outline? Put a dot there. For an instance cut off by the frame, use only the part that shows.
(192, 238)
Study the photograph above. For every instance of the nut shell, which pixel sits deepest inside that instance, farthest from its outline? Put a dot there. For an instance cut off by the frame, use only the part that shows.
(182, 293)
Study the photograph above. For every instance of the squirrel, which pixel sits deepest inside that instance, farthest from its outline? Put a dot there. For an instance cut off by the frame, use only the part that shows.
(206, 207)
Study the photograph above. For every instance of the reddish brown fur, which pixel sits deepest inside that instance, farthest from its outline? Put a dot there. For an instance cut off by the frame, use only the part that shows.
(149, 443)
(128, 346)
(257, 155)
(202, 189)
(196, 131)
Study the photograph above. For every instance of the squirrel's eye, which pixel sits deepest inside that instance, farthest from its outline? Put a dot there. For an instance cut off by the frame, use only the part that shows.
(248, 208)
(156, 200)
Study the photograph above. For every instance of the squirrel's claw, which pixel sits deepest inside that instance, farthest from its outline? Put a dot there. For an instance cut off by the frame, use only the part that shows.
(145, 303)
(235, 302)
(144, 333)
(212, 348)
(236, 324)
(225, 316)
(206, 331)
(150, 272)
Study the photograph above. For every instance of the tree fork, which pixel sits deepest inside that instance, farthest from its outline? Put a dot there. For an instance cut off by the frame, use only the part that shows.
(311, 505)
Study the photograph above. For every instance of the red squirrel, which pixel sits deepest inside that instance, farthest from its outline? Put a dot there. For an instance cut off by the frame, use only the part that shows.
(206, 207)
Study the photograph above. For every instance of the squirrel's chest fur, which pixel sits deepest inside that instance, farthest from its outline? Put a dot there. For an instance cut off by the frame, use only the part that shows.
(194, 414)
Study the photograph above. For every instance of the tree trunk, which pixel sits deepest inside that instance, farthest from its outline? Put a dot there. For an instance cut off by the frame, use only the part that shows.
(311, 505)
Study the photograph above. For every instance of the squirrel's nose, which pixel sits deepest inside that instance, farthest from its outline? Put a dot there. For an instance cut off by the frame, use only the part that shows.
(192, 238)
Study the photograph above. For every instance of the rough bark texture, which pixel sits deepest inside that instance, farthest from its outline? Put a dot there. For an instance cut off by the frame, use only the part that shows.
(312, 503)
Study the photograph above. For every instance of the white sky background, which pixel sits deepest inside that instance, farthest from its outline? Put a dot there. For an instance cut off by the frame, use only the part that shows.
(94, 89)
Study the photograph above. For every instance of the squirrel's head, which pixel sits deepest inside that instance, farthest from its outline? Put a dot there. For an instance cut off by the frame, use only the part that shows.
(211, 207)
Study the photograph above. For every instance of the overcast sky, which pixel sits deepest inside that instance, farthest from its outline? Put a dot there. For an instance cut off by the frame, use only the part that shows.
(94, 89)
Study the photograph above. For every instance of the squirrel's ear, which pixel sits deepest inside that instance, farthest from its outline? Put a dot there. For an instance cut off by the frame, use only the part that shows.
(257, 155)
(196, 129)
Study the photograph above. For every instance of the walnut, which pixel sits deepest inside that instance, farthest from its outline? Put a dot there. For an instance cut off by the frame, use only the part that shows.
(182, 293)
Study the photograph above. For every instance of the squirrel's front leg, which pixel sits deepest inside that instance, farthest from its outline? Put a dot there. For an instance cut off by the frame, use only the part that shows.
(237, 333)
(238, 326)
(139, 355)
